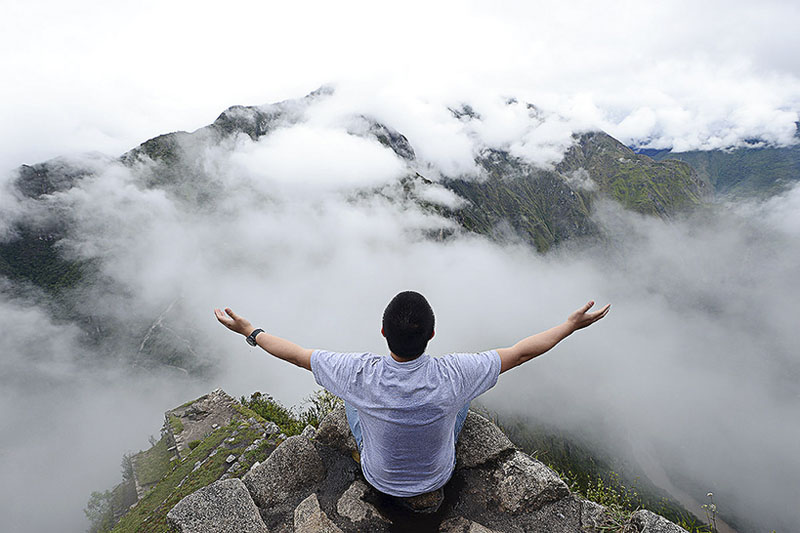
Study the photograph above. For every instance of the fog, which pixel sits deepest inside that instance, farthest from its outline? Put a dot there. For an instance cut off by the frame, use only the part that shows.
(696, 363)
(87, 75)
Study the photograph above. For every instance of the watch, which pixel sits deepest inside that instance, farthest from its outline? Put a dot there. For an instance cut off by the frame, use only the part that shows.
(251, 339)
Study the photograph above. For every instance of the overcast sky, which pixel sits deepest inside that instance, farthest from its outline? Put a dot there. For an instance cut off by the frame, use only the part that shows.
(87, 75)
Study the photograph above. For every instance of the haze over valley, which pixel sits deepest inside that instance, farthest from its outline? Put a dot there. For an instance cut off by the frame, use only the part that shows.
(507, 194)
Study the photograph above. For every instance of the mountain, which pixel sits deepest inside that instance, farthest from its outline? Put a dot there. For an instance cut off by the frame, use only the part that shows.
(741, 172)
(222, 467)
(509, 199)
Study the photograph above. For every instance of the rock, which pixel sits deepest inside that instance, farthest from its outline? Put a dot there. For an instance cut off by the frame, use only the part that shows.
(593, 515)
(423, 503)
(197, 419)
(644, 521)
(222, 507)
(334, 431)
(308, 432)
(293, 466)
(460, 524)
(352, 506)
(525, 484)
(231, 458)
(310, 518)
(479, 442)
(271, 428)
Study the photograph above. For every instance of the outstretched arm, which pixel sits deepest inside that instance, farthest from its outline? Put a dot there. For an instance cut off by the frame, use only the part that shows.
(280, 348)
(538, 344)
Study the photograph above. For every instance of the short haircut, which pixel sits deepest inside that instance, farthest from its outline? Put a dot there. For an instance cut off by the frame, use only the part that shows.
(408, 324)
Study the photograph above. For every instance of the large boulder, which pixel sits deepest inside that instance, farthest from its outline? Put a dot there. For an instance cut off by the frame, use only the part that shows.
(222, 507)
(310, 518)
(525, 484)
(294, 466)
(479, 442)
(334, 431)
(354, 506)
(644, 521)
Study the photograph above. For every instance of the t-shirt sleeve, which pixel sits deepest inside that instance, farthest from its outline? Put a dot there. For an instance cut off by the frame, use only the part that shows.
(334, 370)
(478, 372)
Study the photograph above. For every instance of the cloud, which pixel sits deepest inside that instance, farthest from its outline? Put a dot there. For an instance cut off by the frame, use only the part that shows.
(701, 318)
(712, 75)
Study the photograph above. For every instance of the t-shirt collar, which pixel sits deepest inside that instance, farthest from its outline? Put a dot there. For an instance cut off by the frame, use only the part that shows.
(407, 365)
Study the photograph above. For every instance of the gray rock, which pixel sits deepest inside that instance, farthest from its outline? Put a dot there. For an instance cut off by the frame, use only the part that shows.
(460, 524)
(293, 466)
(352, 505)
(222, 507)
(479, 442)
(426, 503)
(593, 515)
(308, 432)
(271, 428)
(334, 431)
(524, 484)
(231, 458)
(644, 521)
(310, 518)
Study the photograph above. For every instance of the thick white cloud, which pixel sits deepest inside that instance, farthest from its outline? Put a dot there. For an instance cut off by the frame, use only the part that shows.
(87, 76)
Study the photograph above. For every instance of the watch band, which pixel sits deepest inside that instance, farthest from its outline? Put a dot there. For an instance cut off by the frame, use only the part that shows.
(251, 339)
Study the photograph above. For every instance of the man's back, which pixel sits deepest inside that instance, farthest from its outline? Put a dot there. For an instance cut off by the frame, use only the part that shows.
(407, 411)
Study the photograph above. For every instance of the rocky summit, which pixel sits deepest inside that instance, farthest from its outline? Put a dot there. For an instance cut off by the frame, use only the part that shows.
(313, 483)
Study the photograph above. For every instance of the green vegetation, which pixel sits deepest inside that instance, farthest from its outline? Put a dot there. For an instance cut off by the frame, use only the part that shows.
(287, 419)
(175, 423)
(152, 464)
(150, 513)
(171, 480)
(744, 171)
(34, 257)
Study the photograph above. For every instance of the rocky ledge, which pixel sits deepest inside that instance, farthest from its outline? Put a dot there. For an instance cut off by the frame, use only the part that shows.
(312, 483)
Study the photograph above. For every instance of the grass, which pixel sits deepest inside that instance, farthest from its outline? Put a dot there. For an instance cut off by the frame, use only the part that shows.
(150, 513)
(289, 420)
(175, 423)
(152, 464)
(181, 477)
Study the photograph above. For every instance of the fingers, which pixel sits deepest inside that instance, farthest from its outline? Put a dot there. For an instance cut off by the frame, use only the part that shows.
(586, 307)
(601, 313)
(231, 313)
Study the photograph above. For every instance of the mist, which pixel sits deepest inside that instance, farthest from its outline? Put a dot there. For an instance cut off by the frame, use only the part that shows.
(308, 234)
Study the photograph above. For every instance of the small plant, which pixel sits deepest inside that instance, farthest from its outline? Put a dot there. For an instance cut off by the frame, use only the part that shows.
(711, 512)
(194, 444)
(320, 403)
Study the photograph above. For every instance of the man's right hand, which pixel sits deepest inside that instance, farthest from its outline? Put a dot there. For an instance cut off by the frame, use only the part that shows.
(234, 322)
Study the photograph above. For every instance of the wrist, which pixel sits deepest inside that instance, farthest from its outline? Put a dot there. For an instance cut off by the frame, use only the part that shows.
(251, 338)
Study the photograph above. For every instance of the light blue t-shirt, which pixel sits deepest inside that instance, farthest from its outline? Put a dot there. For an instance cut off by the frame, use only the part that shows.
(407, 411)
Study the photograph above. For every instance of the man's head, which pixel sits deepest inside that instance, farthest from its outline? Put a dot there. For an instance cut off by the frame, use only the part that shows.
(408, 324)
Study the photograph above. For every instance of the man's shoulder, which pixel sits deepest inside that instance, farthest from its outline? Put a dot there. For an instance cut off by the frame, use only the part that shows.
(343, 358)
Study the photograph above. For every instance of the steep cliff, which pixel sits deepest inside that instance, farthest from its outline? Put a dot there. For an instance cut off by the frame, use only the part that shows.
(239, 474)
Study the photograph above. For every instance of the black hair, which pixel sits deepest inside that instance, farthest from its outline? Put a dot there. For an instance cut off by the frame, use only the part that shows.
(408, 324)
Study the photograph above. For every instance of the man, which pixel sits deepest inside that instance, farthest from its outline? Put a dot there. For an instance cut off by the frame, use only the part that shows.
(406, 409)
